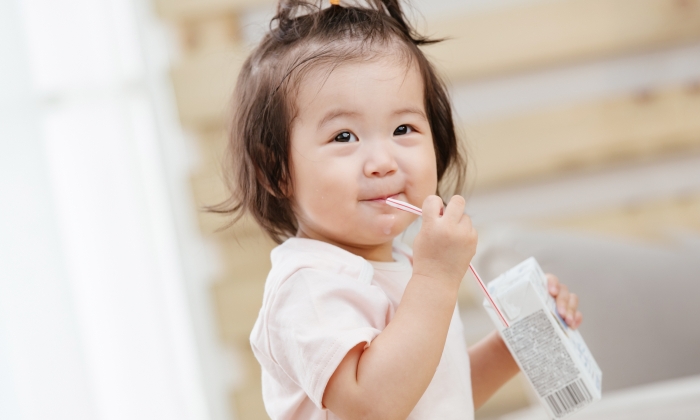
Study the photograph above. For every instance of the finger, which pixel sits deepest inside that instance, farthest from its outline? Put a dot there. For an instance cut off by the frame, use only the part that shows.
(455, 208)
(432, 207)
(578, 319)
(562, 300)
(553, 284)
(571, 310)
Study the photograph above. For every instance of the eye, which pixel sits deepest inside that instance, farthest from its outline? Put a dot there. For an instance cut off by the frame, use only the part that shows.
(345, 137)
(402, 130)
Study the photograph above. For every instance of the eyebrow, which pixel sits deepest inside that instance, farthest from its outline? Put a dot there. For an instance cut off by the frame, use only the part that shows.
(336, 114)
(410, 110)
(344, 113)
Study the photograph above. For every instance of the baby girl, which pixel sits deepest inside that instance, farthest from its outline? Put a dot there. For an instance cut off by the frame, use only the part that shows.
(336, 110)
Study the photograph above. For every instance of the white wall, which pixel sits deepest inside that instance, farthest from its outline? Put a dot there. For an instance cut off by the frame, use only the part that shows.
(104, 309)
(40, 355)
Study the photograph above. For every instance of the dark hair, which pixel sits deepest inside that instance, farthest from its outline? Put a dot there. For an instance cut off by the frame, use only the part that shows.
(302, 36)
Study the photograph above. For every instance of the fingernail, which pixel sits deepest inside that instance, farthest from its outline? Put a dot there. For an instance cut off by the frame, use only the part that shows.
(570, 320)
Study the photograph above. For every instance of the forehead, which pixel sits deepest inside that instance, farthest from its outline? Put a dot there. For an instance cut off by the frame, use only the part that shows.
(390, 80)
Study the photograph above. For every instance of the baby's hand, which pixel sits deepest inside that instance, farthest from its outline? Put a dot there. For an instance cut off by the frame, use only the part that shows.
(446, 243)
(567, 303)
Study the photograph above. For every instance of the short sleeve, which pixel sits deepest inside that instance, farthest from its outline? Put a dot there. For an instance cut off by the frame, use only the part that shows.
(316, 318)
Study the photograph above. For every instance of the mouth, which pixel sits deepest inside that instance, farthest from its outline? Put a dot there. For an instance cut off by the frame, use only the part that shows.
(382, 198)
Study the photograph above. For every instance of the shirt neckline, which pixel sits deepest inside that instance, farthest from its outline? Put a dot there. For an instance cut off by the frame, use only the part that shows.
(400, 263)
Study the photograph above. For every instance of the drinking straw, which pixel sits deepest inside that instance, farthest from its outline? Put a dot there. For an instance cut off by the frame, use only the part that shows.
(401, 205)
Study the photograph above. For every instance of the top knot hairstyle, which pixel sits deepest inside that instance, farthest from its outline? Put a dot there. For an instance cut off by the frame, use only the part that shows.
(304, 35)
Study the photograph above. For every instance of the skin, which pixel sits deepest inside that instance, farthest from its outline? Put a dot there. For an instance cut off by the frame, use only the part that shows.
(338, 188)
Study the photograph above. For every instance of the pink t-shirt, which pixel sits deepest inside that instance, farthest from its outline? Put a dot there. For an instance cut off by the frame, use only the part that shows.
(320, 301)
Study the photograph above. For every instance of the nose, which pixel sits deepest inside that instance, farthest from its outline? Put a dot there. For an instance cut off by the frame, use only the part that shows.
(379, 160)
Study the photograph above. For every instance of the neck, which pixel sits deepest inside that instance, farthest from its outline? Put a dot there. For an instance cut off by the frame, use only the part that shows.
(381, 252)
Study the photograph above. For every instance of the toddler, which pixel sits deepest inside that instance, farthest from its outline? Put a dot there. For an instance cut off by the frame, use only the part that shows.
(336, 110)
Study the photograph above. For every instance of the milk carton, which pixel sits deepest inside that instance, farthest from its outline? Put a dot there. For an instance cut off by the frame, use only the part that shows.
(553, 357)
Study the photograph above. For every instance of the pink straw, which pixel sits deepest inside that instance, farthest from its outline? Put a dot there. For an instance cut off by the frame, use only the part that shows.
(415, 210)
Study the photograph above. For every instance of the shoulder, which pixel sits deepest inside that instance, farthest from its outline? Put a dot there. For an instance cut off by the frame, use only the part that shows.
(314, 293)
(308, 274)
(300, 257)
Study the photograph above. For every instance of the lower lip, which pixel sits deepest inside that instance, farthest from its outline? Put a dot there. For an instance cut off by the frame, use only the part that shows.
(382, 200)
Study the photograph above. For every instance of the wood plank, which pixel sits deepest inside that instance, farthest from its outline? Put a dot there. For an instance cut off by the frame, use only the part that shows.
(237, 307)
(212, 147)
(208, 189)
(654, 221)
(247, 399)
(209, 35)
(486, 44)
(188, 9)
(553, 32)
(245, 258)
(203, 85)
(239, 291)
(549, 142)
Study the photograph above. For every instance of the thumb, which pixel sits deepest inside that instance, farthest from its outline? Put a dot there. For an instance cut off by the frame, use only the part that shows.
(432, 208)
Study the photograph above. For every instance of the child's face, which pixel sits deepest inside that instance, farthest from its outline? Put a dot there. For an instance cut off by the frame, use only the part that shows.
(361, 135)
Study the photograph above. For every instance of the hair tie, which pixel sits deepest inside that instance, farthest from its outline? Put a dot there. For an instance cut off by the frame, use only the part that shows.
(335, 2)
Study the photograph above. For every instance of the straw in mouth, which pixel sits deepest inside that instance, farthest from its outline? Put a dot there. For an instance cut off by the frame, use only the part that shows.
(404, 206)
(401, 205)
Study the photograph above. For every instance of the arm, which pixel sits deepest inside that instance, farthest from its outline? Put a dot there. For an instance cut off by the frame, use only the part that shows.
(387, 380)
(491, 363)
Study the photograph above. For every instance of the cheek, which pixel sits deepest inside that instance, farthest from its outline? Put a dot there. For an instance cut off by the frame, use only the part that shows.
(320, 189)
(430, 174)
(423, 170)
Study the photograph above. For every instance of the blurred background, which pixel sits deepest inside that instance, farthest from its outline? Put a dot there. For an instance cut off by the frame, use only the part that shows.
(119, 300)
